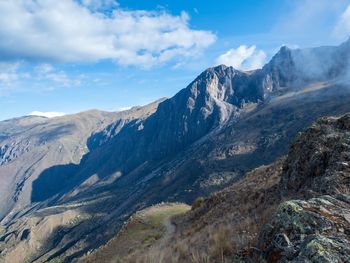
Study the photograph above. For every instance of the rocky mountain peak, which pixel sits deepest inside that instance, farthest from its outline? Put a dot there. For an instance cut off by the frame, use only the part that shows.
(282, 57)
(215, 82)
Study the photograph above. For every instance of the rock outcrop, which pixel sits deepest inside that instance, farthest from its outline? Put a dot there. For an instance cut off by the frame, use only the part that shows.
(315, 227)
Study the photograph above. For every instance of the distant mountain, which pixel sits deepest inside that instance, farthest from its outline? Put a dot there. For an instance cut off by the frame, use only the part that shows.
(83, 175)
(31, 144)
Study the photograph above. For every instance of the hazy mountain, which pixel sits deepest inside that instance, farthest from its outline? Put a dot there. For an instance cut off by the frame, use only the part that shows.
(79, 177)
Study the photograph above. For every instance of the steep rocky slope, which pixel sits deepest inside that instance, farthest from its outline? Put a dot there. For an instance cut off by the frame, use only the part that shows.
(225, 123)
(220, 100)
(315, 225)
(295, 210)
(31, 144)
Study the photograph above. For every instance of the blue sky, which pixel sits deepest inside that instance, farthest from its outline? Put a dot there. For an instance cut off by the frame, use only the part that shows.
(73, 55)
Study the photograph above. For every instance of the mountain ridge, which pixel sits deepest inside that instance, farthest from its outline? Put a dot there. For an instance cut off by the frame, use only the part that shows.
(223, 124)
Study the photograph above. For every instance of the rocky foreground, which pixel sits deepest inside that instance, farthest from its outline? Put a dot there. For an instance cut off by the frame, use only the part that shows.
(315, 224)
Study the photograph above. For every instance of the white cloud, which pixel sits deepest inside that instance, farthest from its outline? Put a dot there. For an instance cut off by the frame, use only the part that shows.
(8, 72)
(309, 22)
(49, 114)
(16, 76)
(96, 5)
(124, 108)
(342, 28)
(46, 72)
(10, 75)
(243, 58)
(71, 31)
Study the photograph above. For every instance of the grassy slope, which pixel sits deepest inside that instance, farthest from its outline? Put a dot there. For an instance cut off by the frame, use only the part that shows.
(143, 230)
(223, 227)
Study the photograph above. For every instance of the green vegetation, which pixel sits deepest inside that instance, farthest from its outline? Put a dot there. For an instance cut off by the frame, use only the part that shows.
(291, 213)
(2, 246)
(142, 231)
(57, 260)
(315, 248)
(321, 249)
(147, 226)
(197, 203)
(158, 214)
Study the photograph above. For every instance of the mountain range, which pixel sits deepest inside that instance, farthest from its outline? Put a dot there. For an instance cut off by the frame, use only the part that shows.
(68, 184)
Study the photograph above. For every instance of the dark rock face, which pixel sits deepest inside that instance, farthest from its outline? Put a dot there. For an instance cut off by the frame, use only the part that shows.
(316, 229)
(319, 160)
(208, 103)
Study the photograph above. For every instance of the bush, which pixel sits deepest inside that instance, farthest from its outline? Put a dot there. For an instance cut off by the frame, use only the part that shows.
(197, 203)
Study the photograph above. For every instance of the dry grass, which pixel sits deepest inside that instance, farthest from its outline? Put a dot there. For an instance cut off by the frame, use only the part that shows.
(220, 229)
(138, 235)
(224, 227)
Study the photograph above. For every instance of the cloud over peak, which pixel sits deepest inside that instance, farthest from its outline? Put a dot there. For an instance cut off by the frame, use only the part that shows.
(243, 58)
(74, 31)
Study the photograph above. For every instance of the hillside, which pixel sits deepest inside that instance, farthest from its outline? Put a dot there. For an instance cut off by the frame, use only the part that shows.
(295, 210)
(205, 138)
(31, 144)
(150, 228)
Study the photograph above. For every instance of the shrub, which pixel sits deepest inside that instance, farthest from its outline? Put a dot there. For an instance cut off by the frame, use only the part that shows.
(197, 203)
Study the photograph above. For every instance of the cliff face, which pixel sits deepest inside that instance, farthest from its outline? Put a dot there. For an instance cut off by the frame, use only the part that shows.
(319, 160)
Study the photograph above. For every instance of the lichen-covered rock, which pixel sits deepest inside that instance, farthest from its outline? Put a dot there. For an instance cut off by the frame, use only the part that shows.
(319, 160)
(314, 224)
(311, 230)
(322, 249)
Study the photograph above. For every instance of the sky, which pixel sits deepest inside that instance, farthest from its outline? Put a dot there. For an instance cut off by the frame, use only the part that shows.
(67, 56)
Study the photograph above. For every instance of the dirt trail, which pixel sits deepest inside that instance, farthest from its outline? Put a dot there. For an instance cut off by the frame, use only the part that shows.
(168, 234)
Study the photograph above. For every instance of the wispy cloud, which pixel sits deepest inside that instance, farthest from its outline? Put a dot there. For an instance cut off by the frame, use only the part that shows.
(48, 114)
(98, 5)
(46, 72)
(10, 76)
(20, 76)
(243, 58)
(308, 21)
(8, 72)
(342, 28)
(74, 31)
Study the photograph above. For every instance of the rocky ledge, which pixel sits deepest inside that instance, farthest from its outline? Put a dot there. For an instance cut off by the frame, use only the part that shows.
(314, 224)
